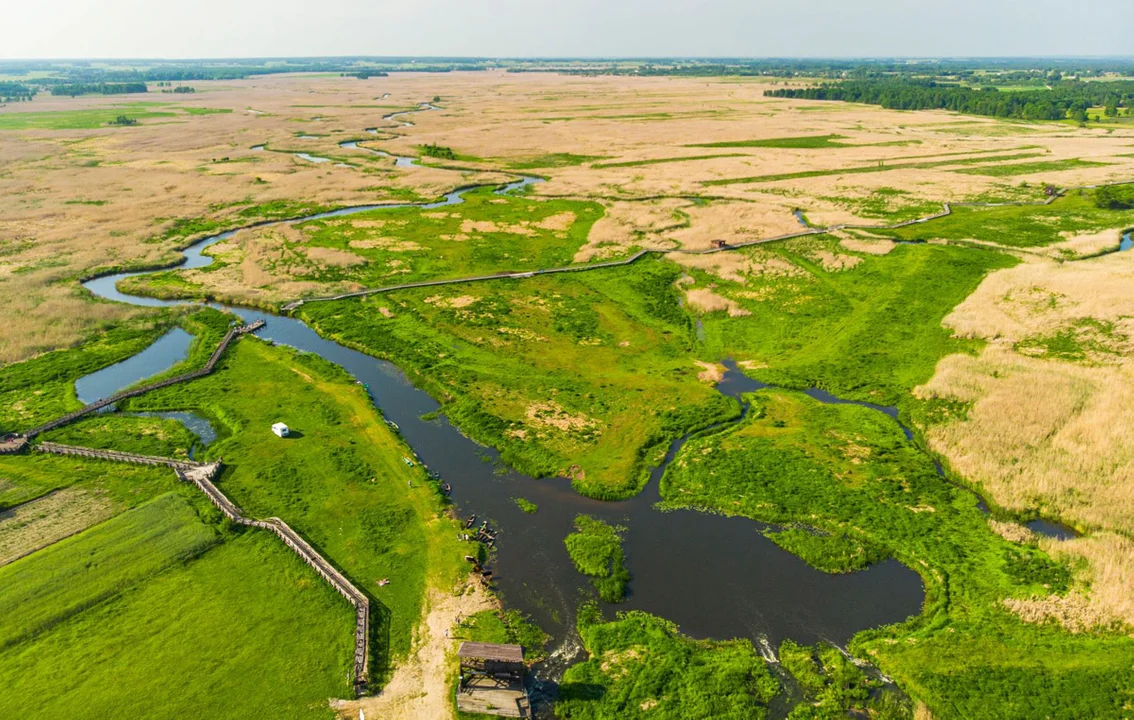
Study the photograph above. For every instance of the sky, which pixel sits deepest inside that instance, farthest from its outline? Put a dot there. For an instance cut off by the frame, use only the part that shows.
(565, 28)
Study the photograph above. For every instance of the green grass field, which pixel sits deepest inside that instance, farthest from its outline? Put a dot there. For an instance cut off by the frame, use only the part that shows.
(596, 549)
(848, 470)
(1033, 168)
(640, 666)
(1019, 226)
(29, 476)
(75, 119)
(338, 479)
(484, 234)
(68, 577)
(870, 332)
(808, 142)
(133, 618)
(584, 375)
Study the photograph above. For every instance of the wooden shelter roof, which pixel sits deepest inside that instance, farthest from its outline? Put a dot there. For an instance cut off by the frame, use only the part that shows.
(491, 651)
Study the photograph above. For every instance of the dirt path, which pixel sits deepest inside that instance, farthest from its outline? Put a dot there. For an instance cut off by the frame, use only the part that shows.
(420, 686)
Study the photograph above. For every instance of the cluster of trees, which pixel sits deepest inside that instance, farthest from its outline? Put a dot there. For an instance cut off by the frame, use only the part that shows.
(365, 74)
(74, 89)
(994, 71)
(1064, 99)
(123, 120)
(438, 151)
(1115, 197)
(15, 92)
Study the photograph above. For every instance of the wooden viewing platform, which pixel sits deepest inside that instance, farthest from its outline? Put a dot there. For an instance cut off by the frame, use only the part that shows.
(492, 680)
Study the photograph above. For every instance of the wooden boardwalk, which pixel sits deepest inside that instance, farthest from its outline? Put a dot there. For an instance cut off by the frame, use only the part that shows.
(100, 404)
(202, 476)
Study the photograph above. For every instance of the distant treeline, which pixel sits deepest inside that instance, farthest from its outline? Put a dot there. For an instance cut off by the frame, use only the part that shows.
(991, 71)
(1064, 99)
(15, 92)
(74, 89)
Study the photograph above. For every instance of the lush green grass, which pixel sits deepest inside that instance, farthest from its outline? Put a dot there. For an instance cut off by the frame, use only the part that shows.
(61, 581)
(832, 686)
(872, 332)
(74, 119)
(879, 166)
(28, 476)
(486, 233)
(596, 549)
(640, 666)
(551, 160)
(848, 470)
(891, 205)
(338, 479)
(809, 142)
(504, 626)
(1032, 168)
(662, 161)
(833, 553)
(42, 388)
(588, 375)
(125, 627)
(526, 505)
(142, 435)
(1019, 226)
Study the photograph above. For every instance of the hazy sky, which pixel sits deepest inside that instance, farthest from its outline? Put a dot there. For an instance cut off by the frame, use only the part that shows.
(509, 28)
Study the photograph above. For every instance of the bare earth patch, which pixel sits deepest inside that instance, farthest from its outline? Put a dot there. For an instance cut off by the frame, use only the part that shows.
(420, 688)
(711, 373)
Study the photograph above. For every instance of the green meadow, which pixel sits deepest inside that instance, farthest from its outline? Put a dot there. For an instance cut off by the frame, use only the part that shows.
(485, 233)
(1019, 225)
(589, 374)
(338, 480)
(151, 614)
(640, 666)
(596, 549)
(848, 472)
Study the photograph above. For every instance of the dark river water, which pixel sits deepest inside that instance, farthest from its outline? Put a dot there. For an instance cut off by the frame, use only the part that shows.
(717, 577)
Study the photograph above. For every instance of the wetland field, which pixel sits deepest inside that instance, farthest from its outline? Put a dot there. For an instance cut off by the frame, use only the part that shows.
(823, 411)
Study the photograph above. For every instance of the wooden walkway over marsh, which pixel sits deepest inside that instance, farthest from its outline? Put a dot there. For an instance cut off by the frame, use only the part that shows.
(202, 476)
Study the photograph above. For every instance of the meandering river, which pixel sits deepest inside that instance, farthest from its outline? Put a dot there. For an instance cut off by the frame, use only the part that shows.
(715, 576)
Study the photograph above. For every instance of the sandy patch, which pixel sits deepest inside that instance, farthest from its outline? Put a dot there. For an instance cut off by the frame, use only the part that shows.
(385, 243)
(551, 414)
(488, 226)
(711, 373)
(704, 300)
(420, 686)
(738, 266)
(834, 262)
(333, 257)
(870, 247)
(461, 301)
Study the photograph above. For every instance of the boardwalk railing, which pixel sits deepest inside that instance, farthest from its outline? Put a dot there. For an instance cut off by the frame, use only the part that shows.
(115, 456)
(100, 404)
(202, 476)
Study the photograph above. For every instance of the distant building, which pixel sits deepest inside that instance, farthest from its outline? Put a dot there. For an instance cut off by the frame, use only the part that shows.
(1050, 191)
(719, 244)
(280, 429)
